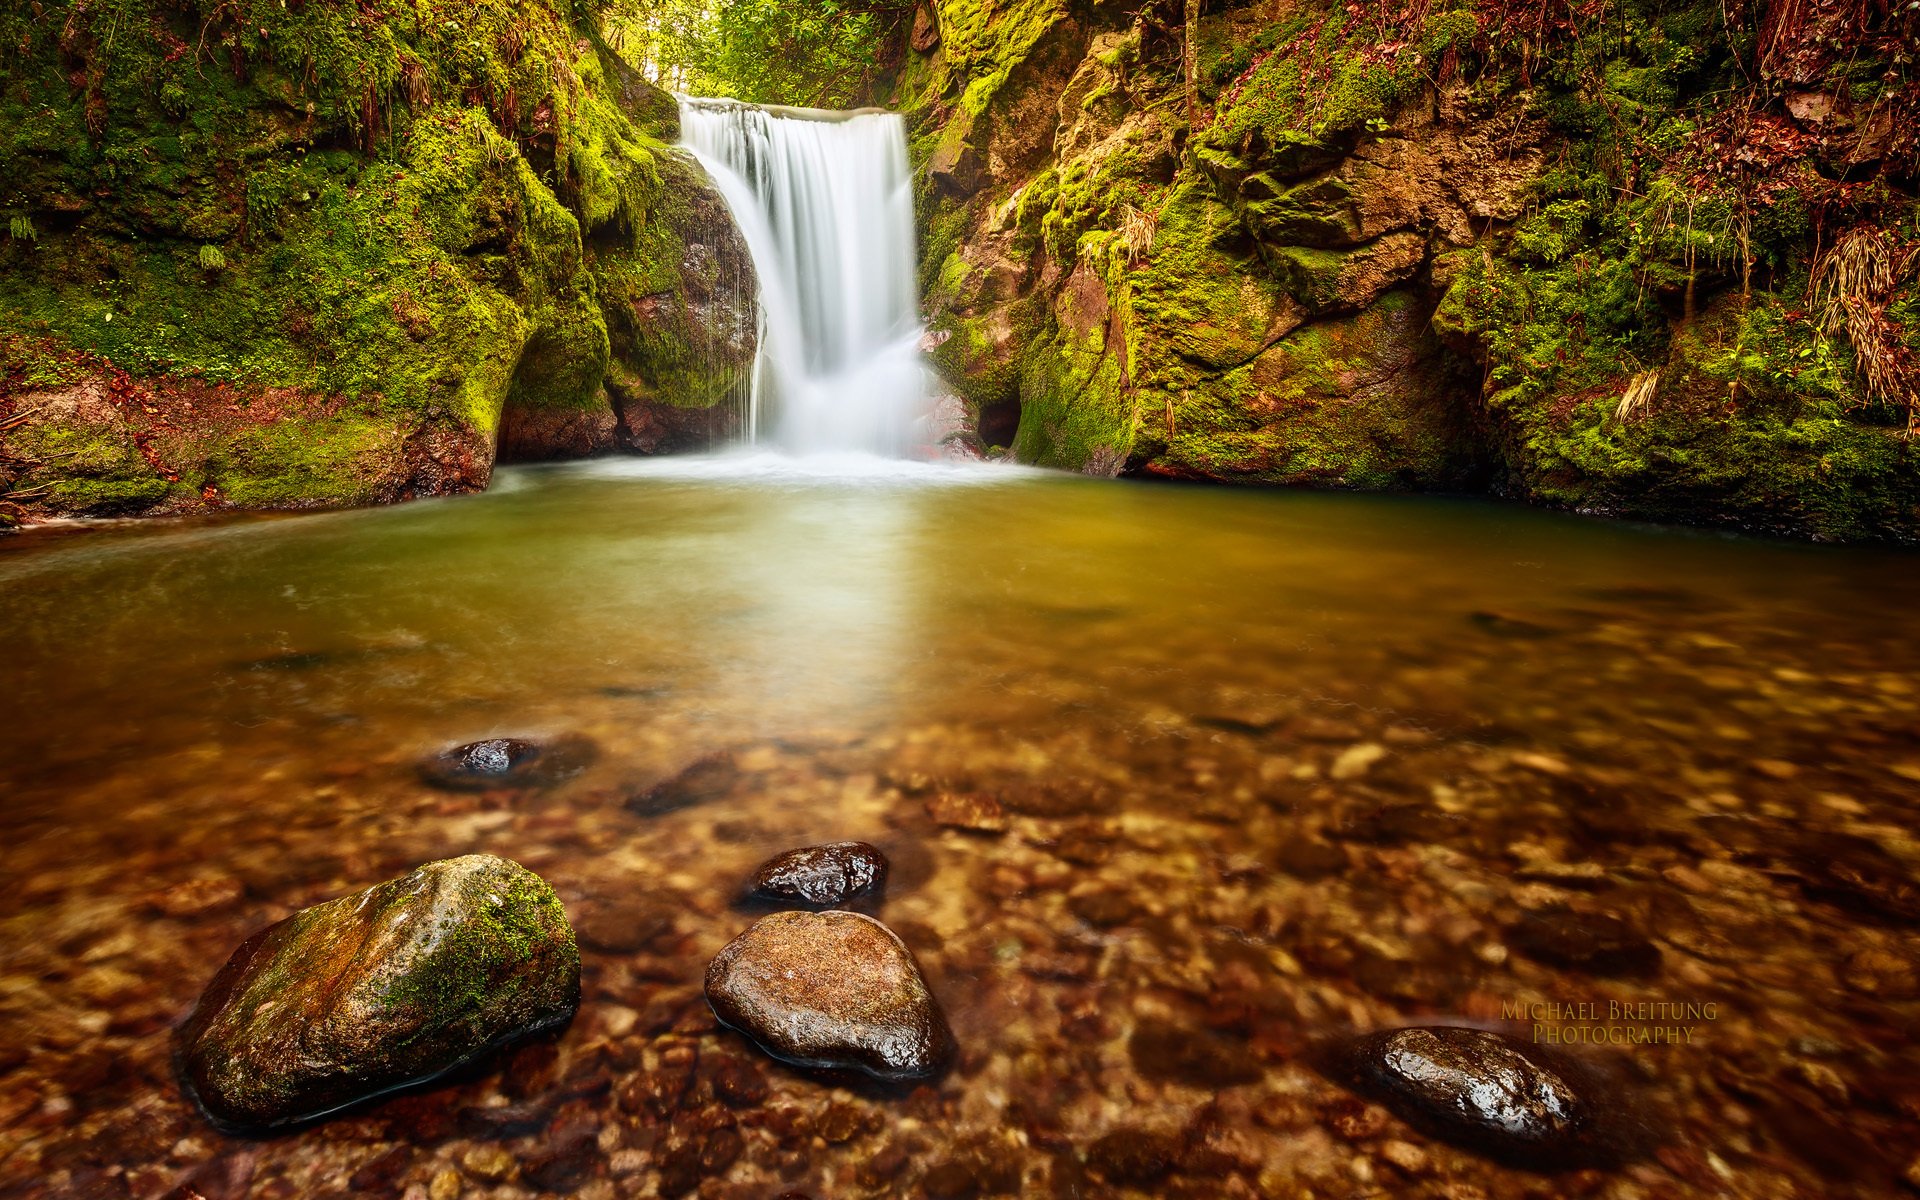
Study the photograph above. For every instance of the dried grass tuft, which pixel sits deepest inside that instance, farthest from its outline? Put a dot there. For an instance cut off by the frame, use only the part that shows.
(1639, 394)
(1850, 289)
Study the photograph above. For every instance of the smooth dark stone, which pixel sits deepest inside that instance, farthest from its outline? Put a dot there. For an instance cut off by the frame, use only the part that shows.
(1163, 1050)
(1592, 942)
(1501, 625)
(1479, 1090)
(1859, 876)
(1133, 1156)
(373, 991)
(507, 763)
(821, 875)
(700, 782)
(1309, 858)
(1398, 824)
(1104, 908)
(565, 1166)
(831, 989)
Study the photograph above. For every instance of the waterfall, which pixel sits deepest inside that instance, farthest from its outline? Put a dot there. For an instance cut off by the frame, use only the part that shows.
(825, 204)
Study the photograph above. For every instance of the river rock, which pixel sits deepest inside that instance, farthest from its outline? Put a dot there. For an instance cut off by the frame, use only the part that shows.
(1596, 943)
(507, 763)
(373, 991)
(703, 780)
(974, 812)
(821, 875)
(1477, 1089)
(831, 989)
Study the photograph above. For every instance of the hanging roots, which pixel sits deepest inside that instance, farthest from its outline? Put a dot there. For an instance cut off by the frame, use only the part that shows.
(1638, 395)
(1851, 288)
(1136, 233)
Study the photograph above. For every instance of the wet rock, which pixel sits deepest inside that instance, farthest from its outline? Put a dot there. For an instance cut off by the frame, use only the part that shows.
(1882, 975)
(1057, 799)
(738, 1083)
(196, 897)
(372, 991)
(831, 989)
(821, 875)
(1104, 908)
(971, 811)
(507, 763)
(1857, 875)
(701, 782)
(622, 926)
(1477, 1089)
(1310, 858)
(1595, 943)
(1173, 1053)
(1505, 625)
(1399, 824)
(1133, 1157)
(563, 1167)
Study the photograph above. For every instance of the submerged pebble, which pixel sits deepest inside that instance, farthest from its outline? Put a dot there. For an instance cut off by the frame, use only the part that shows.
(969, 811)
(830, 874)
(1595, 943)
(700, 782)
(831, 989)
(506, 762)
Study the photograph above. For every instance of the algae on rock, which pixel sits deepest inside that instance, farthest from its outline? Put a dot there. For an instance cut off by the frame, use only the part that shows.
(1425, 250)
(300, 257)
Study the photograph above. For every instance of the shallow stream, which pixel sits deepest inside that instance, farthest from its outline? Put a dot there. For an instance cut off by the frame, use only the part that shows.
(1275, 767)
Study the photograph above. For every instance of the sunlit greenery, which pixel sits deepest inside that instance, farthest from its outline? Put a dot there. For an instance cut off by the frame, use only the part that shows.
(827, 53)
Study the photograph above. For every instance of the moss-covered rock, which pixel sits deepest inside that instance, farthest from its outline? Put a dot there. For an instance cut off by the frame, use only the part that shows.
(1428, 250)
(370, 992)
(311, 256)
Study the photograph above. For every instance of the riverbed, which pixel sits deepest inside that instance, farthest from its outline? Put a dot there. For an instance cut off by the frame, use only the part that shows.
(1247, 773)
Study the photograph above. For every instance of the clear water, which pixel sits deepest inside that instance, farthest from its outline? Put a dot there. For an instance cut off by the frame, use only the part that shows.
(1277, 767)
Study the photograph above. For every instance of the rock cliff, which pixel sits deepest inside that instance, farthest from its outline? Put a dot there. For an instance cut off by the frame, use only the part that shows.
(1597, 264)
(311, 254)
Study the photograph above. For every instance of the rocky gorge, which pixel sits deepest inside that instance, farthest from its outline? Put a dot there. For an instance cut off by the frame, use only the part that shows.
(313, 256)
(1652, 271)
(1498, 247)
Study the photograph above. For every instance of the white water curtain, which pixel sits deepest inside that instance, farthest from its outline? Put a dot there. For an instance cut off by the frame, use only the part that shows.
(825, 203)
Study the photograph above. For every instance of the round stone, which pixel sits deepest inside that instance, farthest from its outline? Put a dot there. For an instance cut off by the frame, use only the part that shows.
(831, 989)
(1477, 1089)
(821, 875)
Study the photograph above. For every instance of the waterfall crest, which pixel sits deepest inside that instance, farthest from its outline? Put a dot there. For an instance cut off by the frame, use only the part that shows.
(825, 203)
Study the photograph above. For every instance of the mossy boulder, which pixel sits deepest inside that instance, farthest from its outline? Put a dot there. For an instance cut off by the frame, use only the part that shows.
(314, 257)
(373, 991)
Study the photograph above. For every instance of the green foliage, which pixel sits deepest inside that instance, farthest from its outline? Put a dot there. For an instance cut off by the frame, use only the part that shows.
(211, 259)
(819, 53)
(21, 229)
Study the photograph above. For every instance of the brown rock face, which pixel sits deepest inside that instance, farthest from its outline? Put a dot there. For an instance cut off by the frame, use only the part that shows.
(831, 989)
(822, 875)
(376, 990)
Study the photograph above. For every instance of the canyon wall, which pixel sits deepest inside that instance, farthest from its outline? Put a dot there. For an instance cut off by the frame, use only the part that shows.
(265, 255)
(1491, 247)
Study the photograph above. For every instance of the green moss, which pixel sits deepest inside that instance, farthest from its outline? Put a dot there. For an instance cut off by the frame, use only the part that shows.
(509, 916)
(97, 470)
(335, 462)
(983, 41)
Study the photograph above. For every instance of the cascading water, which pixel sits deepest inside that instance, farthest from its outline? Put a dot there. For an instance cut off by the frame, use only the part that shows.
(826, 207)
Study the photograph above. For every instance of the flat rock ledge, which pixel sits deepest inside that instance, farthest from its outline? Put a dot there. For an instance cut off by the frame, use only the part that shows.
(377, 990)
(831, 989)
(825, 875)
